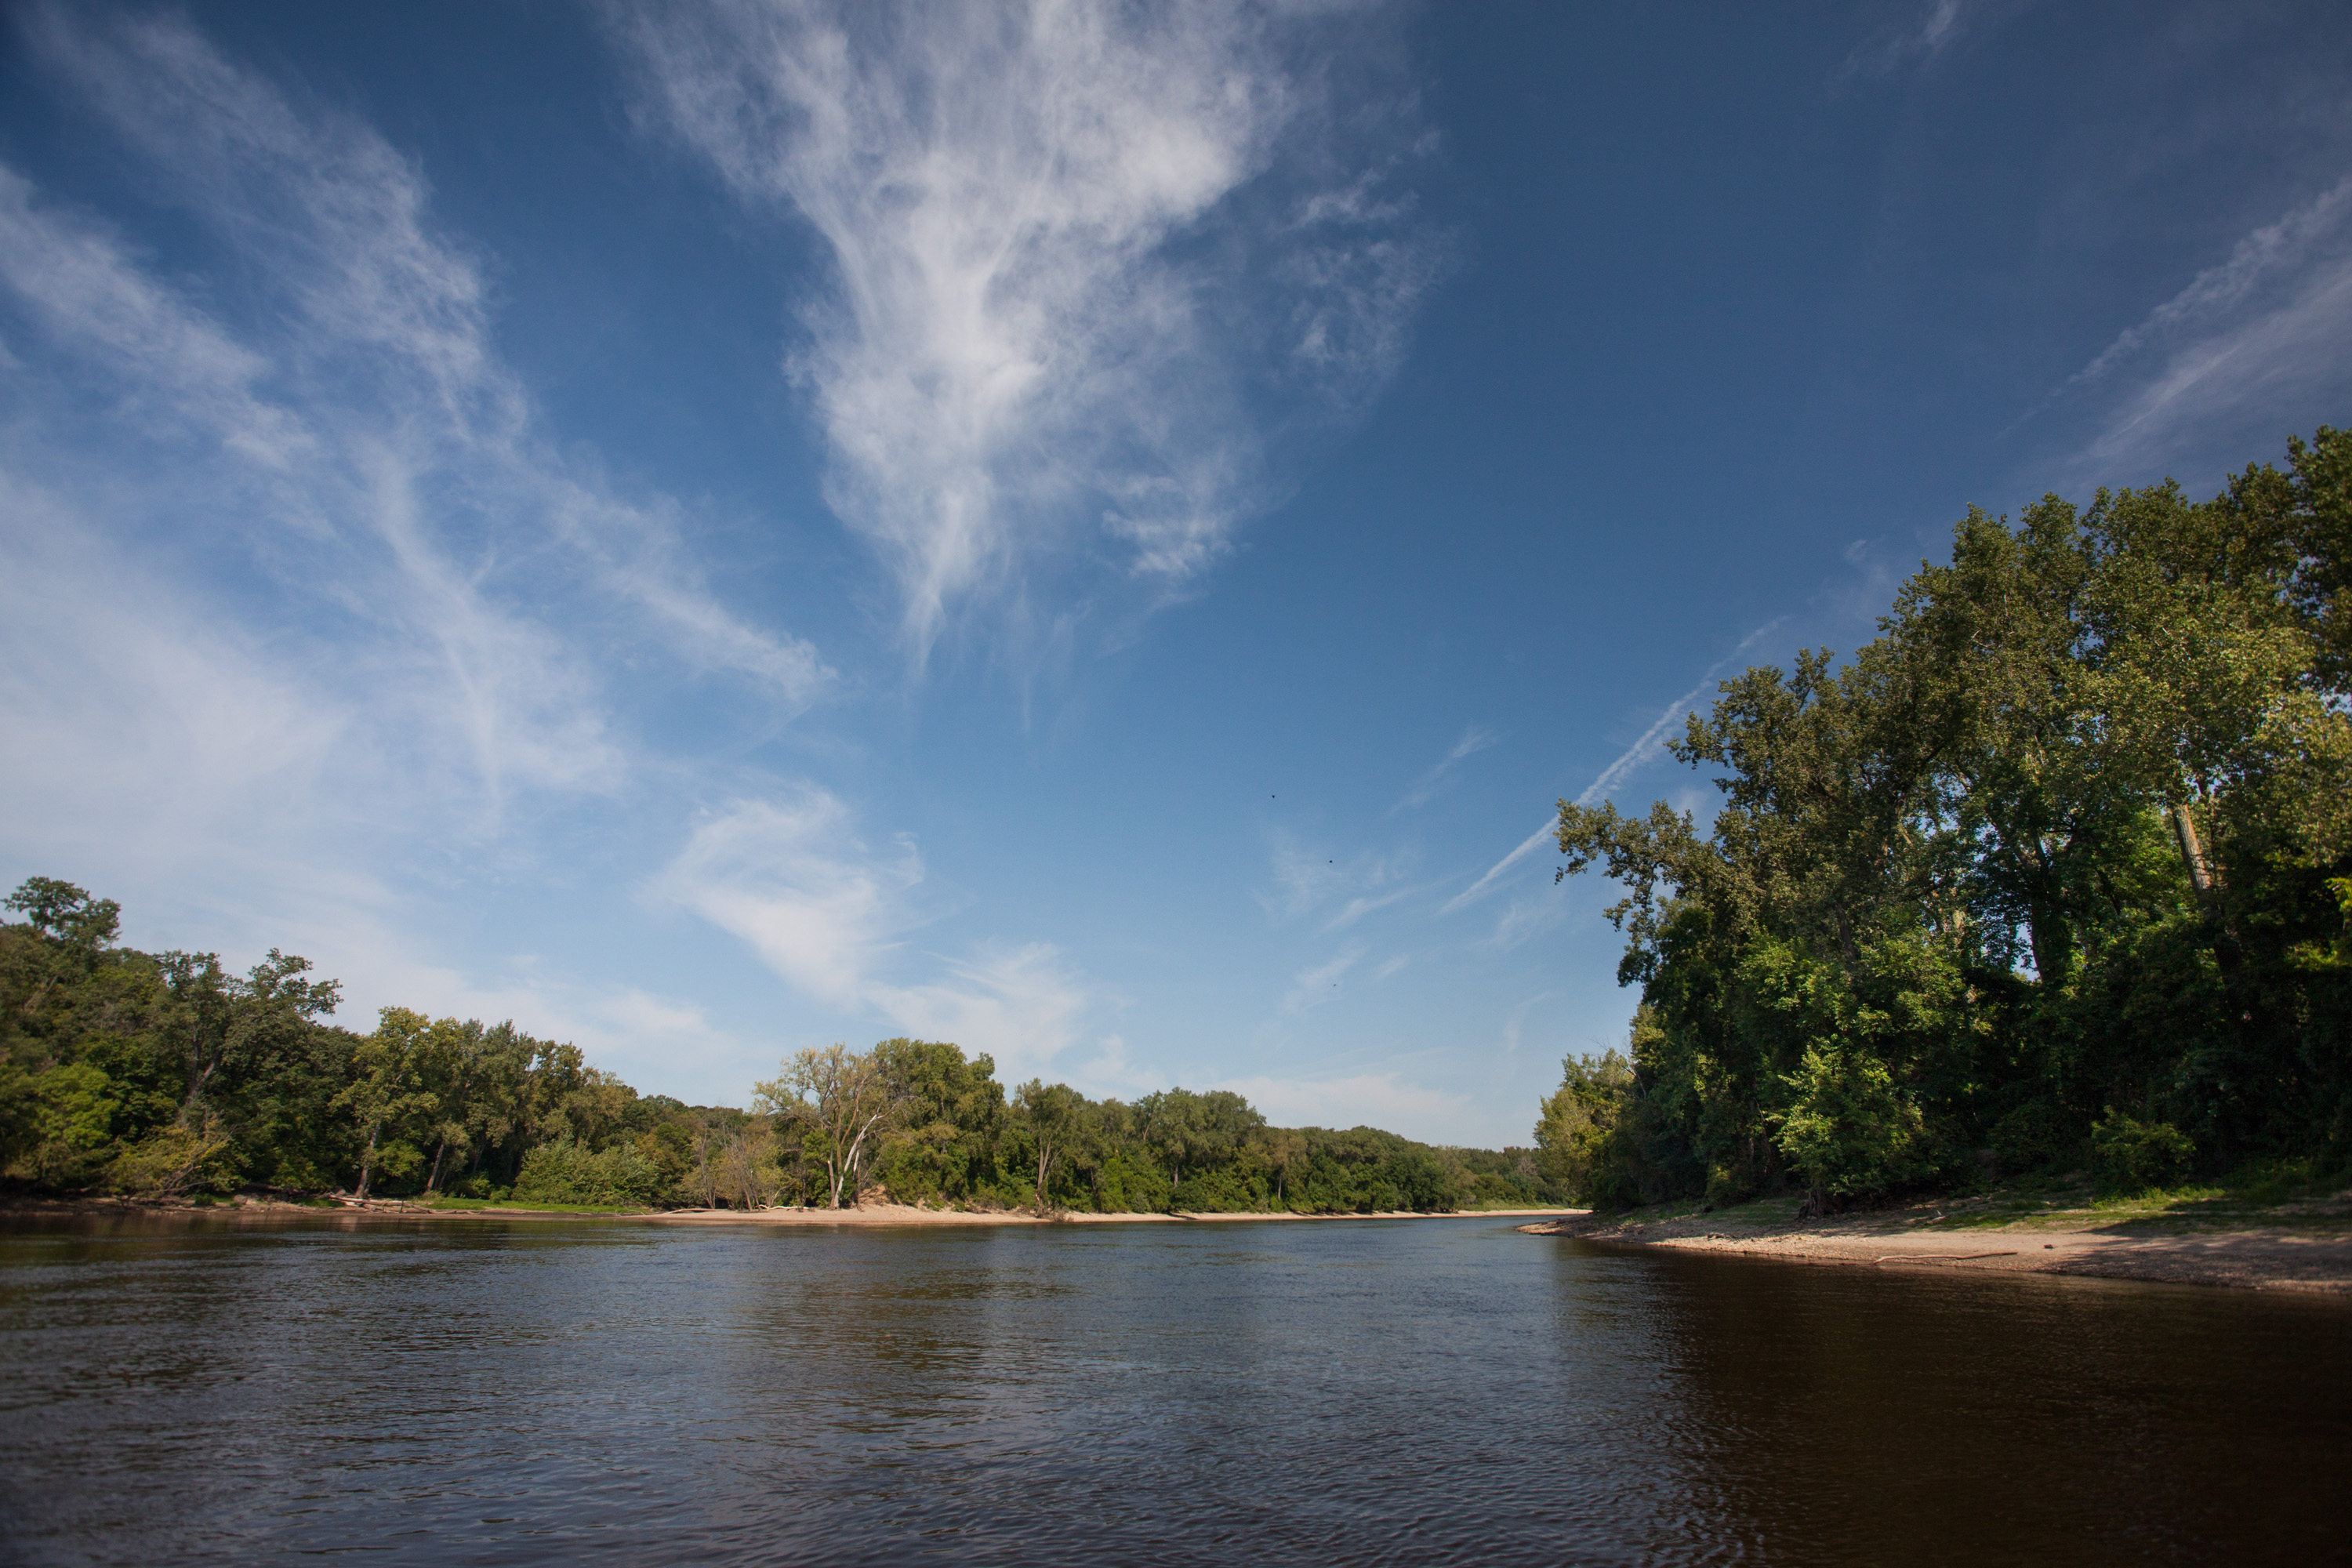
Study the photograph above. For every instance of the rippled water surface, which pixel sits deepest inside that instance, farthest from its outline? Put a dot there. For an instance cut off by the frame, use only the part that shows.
(1437, 1391)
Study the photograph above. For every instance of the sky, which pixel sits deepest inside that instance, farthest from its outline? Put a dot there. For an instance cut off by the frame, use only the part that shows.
(1100, 534)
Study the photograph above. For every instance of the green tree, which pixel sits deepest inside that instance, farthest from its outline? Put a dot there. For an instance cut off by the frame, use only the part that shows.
(1053, 1116)
(387, 1098)
(844, 1099)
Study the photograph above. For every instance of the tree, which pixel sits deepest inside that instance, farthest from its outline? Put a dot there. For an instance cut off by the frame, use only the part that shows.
(1052, 1115)
(2056, 845)
(1188, 1131)
(844, 1095)
(388, 1092)
(1577, 1119)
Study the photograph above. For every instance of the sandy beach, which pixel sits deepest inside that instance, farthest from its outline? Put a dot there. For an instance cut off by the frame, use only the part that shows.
(2301, 1247)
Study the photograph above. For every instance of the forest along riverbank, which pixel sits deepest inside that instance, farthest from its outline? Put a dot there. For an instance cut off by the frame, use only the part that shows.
(909, 1214)
(867, 1214)
(2294, 1246)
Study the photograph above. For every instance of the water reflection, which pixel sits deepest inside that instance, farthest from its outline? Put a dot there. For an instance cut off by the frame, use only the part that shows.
(1433, 1391)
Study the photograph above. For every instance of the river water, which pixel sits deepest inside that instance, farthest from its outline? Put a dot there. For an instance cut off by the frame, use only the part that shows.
(1412, 1392)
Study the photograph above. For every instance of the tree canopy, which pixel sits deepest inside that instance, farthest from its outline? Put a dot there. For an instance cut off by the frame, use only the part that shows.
(165, 1076)
(2058, 865)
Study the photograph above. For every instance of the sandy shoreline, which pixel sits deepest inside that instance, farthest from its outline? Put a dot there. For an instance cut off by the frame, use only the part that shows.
(863, 1215)
(2314, 1256)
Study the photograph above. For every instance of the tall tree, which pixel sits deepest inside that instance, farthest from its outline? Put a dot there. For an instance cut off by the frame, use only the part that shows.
(845, 1096)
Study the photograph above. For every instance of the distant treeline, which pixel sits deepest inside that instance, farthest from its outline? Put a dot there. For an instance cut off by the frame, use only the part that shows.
(2056, 873)
(163, 1075)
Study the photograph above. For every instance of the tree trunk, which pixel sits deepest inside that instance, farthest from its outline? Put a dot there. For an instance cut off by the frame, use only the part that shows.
(367, 1162)
(2192, 851)
(433, 1181)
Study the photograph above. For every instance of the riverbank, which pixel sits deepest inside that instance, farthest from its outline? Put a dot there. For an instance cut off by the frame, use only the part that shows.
(908, 1213)
(870, 1213)
(2205, 1238)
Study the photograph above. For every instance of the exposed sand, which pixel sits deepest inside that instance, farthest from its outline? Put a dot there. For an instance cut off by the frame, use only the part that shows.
(2314, 1256)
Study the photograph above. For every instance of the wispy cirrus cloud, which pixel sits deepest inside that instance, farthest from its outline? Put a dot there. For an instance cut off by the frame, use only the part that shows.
(355, 432)
(2247, 350)
(271, 501)
(1440, 777)
(1081, 250)
(1318, 984)
(1303, 882)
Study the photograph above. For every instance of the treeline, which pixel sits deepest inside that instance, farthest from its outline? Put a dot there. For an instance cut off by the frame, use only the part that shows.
(163, 1075)
(2056, 872)
(918, 1122)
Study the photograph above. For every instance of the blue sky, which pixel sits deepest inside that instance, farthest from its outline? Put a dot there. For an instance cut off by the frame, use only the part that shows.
(1095, 533)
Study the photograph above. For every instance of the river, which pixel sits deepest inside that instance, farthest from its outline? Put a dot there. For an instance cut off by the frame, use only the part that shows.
(1444, 1390)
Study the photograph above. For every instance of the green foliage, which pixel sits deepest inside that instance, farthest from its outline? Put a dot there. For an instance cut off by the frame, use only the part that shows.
(2130, 1156)
(2074, 830)
(1577, 1121)
(165, 1075)
(564, 1173)
(1848, 1130)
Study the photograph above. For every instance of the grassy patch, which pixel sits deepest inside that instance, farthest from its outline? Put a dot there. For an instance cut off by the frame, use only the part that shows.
(513, 1206)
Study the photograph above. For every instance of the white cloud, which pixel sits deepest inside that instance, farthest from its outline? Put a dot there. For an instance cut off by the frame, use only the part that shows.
(1115, 1072)
(1516, 1021)
(791, 876)
(2247, 351)
(402, 500)
(144, 735)
(1042, 325)
(342, 606)
(1923, 31)
(1525, 916)
(1023, 1005)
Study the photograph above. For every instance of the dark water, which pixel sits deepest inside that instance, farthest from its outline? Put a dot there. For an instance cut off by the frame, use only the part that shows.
(1443, 1391)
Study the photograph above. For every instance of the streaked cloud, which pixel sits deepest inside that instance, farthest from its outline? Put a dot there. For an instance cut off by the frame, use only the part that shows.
(1313, 986)
(2242, 354)
(1440, 777)
(1052, 338)
(281, 512)
(1649, 746)
(1304, 881)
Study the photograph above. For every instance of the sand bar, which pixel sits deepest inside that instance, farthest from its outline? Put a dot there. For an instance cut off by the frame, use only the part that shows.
(2296, 1252)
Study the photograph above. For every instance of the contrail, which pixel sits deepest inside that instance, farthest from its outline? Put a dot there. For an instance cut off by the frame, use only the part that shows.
(1613, 774)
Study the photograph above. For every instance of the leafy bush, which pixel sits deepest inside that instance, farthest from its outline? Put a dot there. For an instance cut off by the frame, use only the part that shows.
(1849, 1130)
(564, 1173)
(2131, 1156)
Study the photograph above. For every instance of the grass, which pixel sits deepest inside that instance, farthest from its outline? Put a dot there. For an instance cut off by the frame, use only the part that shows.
(494, 1206)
